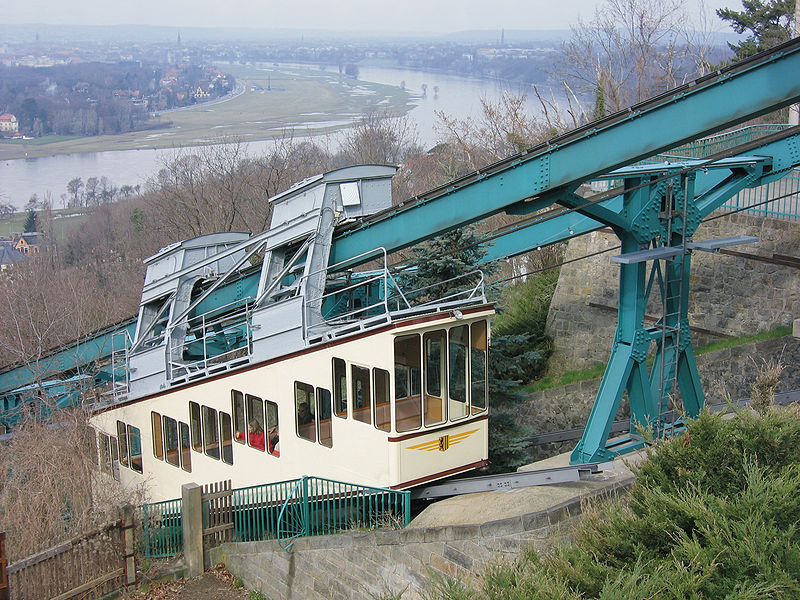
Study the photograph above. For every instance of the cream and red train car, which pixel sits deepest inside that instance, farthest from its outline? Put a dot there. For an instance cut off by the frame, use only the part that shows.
(308, 371)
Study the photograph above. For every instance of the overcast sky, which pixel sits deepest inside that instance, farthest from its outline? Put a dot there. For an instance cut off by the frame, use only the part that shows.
(403, 16)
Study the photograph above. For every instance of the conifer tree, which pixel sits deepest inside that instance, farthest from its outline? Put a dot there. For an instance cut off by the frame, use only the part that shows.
(769, 23)
(31, 222)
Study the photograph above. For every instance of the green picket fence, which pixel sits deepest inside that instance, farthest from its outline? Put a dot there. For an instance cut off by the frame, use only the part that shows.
(162, 527)
(284, 511)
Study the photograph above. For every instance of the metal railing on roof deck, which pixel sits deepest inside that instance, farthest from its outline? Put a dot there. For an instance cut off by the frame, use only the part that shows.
(373, 297)
(212, 339)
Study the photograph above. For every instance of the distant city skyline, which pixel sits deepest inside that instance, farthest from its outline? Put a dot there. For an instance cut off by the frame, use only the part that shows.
(410, 16)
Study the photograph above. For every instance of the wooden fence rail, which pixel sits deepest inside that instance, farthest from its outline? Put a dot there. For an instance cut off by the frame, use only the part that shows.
(88, 567)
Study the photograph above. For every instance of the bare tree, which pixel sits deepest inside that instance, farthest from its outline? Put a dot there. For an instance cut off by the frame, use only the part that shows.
(631, 50)
(380, 138)
(74, 188)
(504, 129)
(50, 487)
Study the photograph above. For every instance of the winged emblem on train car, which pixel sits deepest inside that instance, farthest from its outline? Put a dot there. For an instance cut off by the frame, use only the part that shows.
(443, 443)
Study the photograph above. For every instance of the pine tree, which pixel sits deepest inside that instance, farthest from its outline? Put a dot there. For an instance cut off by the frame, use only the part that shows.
(768, 21)
(31, 222)
(442, 265)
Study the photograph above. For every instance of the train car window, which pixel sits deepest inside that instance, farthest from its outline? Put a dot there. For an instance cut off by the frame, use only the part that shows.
(195, 426)
(339, 388)
(158, 441)
(226, 437)
(478, 367)
(458, 341)
(407, 398)
(380, 386)
(135, 443)
(361, 394)
(273, 433)
(122, 436)
(171, 453)
(186, 452)
(433, 344)
(105, 452)
(324, 425)
(255, 422)
(210, 432)
(237, 410)
(303, 408)
(114, 458)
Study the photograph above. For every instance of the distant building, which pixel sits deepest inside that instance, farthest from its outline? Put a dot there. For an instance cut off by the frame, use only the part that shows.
(30, 243)
(8, 124)
(9, 256)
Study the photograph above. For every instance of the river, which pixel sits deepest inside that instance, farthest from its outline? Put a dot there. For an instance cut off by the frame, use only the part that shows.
(457, 97)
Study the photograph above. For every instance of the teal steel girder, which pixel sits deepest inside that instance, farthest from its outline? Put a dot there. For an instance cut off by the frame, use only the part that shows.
(70, 358)
(710, 104)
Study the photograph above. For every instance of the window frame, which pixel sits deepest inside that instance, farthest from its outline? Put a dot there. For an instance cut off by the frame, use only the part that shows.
(136, 460)
(207, 445)
(319, 398)
(158, 439)
(195, 427)
(415, 339)
(388, 402)
(467, 348)
(366, 394)
(340, 399)
(168, 422)
(185, 451)
(310, 400)
(226, 444)
(239, 417)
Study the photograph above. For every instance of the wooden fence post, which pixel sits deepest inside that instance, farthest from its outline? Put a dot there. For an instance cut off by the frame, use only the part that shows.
(192, 528)
(129, 543)
(4, 592)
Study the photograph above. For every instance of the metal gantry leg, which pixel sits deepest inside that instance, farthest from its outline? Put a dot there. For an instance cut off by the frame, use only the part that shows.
(651, 391)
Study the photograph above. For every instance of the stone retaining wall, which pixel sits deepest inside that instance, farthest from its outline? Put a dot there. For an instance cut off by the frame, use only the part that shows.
(729, 295)
(731, 371)
(367, 565)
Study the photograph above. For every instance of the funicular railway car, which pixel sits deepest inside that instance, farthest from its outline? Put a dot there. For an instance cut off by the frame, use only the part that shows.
(256, 361)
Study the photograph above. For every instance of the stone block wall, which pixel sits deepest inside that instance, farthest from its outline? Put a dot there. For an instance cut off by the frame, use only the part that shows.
(730, 371)
(729, 295)
(363, 566)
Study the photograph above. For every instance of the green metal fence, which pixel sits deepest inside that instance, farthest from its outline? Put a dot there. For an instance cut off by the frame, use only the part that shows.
(284, 511)
(320, 506)
(724, 141)
(162, 527)
(779, 199)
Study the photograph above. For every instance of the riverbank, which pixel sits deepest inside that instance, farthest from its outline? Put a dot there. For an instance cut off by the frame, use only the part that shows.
(274, 102)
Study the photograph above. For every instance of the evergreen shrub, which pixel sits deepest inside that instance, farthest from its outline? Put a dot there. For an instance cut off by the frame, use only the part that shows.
(713, 514)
